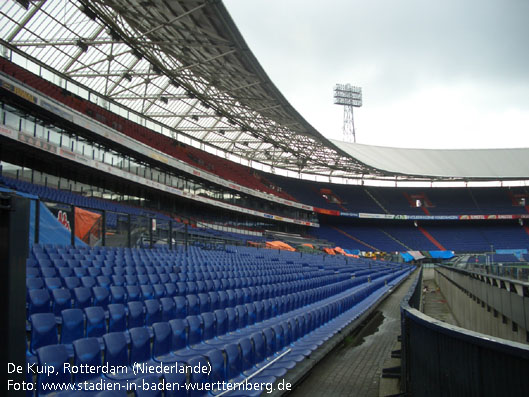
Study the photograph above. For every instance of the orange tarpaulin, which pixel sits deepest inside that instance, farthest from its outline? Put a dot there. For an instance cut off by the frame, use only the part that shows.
(279, 245)
(341, 251)
(307, 245)
(330, 251)
(86, 223)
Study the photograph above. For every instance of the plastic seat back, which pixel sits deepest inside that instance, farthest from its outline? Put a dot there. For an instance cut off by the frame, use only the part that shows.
(72, 325)
(62, 299)
(117, 317)
(87, 352)
(136, 316)
(43, 331)
(52, 356)
(153, 311)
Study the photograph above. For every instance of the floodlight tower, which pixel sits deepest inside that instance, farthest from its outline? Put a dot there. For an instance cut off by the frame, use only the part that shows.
(349, 97)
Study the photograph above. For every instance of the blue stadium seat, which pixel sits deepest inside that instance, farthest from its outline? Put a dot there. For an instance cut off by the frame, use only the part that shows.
(199, 377)
(259, 311)
(101, 296)
(163, 340)
(180, 306)
(72, 327)
(194, 333)
(87, 352)
(159, 291)
(232, 298)
(204, 303)
(39, 301)
(43, 331)
(136, 317)
(179, 334)
(147, 292)
(170, 289)
(153, 311)
(119, 271)
(82, 297)
(117, 317)
(118, 280)
(221, 322)
(104, 281)
(72, 282)
(168, 309)
(61, 299)
(52, 283)
(80, 271)
(88, 281)
(242, 316)
(182, 288)
(118, 294)
(201, 286)
(232, 319)
(213, 300)
(106, 272)
(153, 279)
(52, 356)
(48, 272)
(64, 272)
(130, 271)
(133, 292)
(210, 286)
(93, 271)
(116, 354)
(217, 366)
(32, 272)
(95, 321)
(192, 305)
(223, 299)
(140, 347)
(209, 323)
(250, 310)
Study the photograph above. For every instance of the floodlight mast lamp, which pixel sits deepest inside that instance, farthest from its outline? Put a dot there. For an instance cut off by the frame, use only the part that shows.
(349, 97)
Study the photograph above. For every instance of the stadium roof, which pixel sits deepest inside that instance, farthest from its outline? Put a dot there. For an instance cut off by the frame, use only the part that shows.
(489, 164)
(184, 65)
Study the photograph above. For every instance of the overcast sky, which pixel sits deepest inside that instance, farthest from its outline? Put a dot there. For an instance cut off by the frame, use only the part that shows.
(434, 74)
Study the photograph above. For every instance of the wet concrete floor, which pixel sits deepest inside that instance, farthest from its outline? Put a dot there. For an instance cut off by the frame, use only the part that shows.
(354, 367)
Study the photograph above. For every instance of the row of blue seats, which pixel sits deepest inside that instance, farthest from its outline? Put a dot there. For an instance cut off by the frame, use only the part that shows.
(182, 273)
(102, 252)
(196, 282)
(65, 196)
(39, 300)
(180, 307)
(272, 346)
(197, 254)
(43, 259)
(93, 322)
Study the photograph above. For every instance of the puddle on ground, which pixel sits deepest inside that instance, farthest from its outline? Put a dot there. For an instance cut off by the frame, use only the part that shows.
(370, 328)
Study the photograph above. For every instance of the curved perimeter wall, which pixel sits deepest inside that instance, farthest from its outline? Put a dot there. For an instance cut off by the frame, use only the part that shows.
(443, 360)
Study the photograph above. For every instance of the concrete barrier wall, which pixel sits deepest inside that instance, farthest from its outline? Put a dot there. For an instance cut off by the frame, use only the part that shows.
(439, 359)
(486, 304)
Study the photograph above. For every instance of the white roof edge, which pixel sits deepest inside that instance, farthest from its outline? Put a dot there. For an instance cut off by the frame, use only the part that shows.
(445, 163)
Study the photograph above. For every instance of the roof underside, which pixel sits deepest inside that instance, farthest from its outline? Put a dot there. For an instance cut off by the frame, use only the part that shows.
(184, 65)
